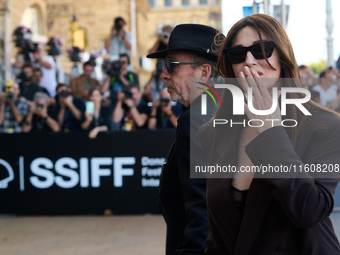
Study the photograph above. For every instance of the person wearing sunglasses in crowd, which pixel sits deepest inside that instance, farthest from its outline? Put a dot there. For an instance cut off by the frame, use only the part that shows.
(190, 54)
(252, 212)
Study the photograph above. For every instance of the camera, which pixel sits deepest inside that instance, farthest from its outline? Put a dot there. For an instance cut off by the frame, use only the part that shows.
(53, 46)
(27, 49)
(127, 93)
(113, 69)
(165, 35)
(164, 101)
(64, 93)
(21, 77)
(10, 96)
(23, 39)
(39, 107)
(118, 27)
(9, 90)
(74, 54)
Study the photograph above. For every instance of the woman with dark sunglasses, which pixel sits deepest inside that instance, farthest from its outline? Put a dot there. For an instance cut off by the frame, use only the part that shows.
(257, 212)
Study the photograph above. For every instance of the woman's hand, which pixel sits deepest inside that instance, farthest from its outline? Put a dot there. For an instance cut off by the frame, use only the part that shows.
(261, 99)
(93, 133)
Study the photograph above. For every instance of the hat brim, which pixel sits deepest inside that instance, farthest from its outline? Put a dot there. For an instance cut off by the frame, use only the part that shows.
(163, 53)
(158, 54)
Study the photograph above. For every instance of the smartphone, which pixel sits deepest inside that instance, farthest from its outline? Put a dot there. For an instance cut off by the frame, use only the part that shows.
(90, 107)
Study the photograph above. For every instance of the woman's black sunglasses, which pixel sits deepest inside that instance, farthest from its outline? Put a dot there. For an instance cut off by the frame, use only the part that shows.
(170, 65)
(238, 54)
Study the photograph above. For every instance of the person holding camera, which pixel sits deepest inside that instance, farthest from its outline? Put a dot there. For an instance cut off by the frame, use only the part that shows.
(164, 114)
(36, 78)
(81, 85)
(119, 78)
(40, 117)
(162, 40)
(13, 109)
(27, 87)
(70, 110)
(119, 40)
(98, 117)
(328, 89)
(47, 66)
(130, 110)
(156, 84)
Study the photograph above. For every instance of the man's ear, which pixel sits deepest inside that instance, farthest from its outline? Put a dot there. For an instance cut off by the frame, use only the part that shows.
(205, 71)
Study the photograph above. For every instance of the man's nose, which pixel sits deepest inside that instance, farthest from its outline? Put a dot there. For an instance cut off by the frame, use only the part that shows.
(165, 74)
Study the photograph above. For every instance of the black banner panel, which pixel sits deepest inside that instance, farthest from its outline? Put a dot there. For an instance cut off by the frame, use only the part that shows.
(67, 174)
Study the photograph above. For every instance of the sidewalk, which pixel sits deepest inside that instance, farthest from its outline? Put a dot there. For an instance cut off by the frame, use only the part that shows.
(88, 235)
(78, 235)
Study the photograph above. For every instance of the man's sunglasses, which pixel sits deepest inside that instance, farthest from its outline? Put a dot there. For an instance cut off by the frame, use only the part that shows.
(238, 54)
(170, 65)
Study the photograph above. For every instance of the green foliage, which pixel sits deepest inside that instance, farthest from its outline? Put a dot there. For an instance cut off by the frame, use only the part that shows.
(318, 66)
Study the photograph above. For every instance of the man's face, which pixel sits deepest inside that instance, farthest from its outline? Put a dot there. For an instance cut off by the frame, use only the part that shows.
(29, 73)
(329, 74)
(41, 101)
(135, 94)
(178, 82)
(36, 78)
(16, 90)
(88, 69)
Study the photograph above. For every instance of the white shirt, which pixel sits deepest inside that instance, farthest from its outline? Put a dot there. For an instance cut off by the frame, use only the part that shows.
(48, 80)
(117, 45)
(327, 96)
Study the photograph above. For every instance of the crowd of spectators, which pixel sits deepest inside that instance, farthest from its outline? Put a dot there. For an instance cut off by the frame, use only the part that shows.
(324, 87)
(35, 102)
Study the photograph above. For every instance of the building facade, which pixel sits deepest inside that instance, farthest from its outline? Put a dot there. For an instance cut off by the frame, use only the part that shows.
(144, 19)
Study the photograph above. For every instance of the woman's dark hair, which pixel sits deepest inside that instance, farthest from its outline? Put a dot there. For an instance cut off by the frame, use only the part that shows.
(94, 89)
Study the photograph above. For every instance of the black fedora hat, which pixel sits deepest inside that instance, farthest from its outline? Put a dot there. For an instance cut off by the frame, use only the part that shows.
(195, 38)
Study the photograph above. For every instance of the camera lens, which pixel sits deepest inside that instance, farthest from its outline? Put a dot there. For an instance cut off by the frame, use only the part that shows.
(165, 35)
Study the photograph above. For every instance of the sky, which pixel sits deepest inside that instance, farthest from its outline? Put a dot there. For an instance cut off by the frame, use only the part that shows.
(306, 26)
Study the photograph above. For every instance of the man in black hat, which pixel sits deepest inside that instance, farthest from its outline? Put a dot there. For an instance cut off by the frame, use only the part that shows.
(190, 54)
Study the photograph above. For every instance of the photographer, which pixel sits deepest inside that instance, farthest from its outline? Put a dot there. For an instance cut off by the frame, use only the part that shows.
(27, 87)
(130, 111)
(119, 78)
(40, 117)
(328, 89)
(45, 63)
(119, 40)
(70, 111)
(155, 83)
(36, 78)
(81, 85)
(163, 40)
(164, 114)
(98, 117)
(13, 109)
